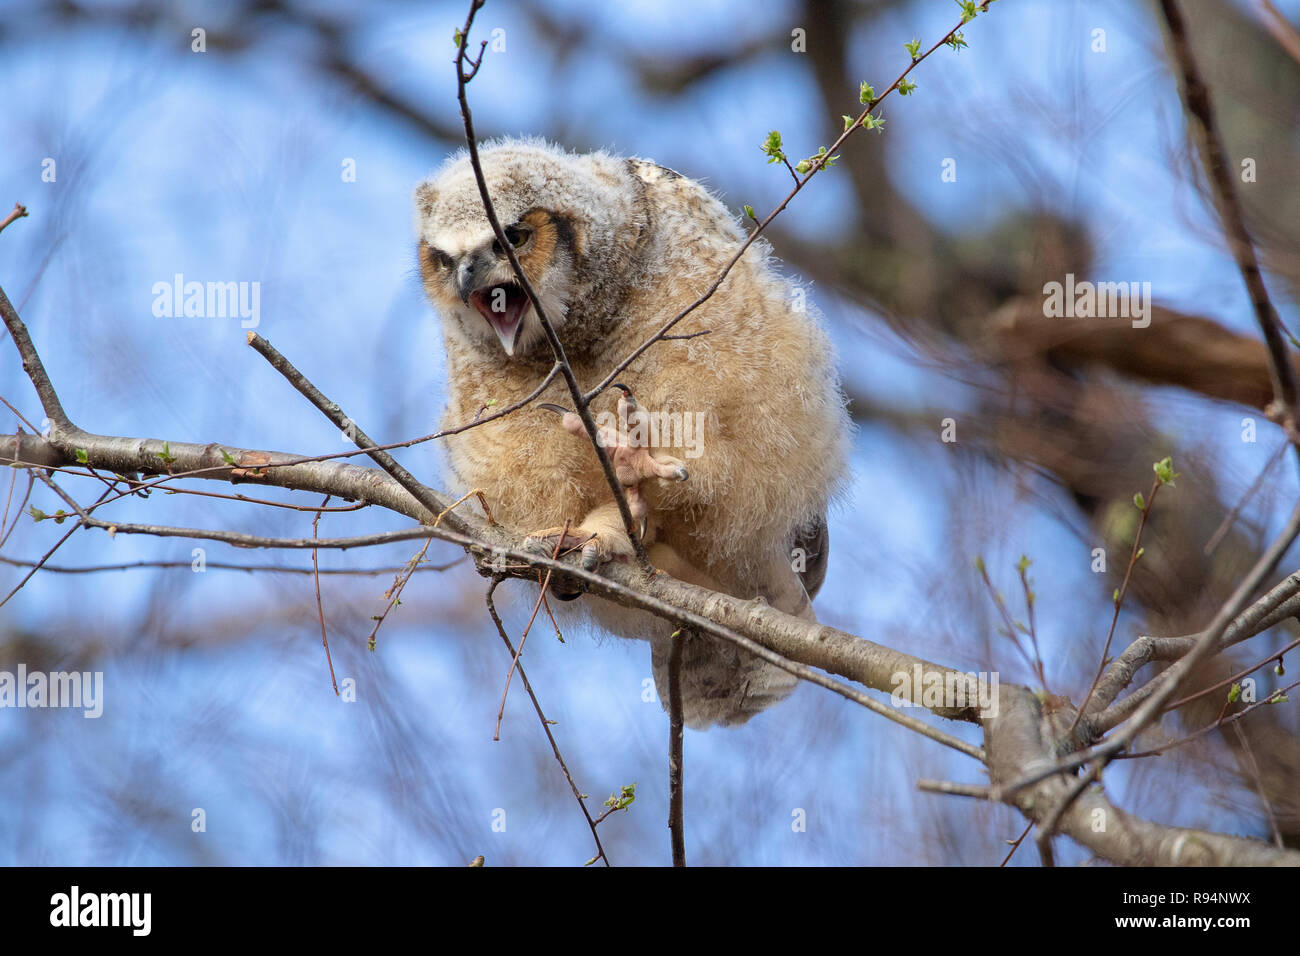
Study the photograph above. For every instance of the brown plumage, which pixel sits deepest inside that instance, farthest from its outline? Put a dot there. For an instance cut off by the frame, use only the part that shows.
(752, 410)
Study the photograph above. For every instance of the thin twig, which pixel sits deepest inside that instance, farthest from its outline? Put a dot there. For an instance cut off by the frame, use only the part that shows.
(1015, 844)
(546, 724)
(225, 566)
(978, 791)
(557, 348)
(1253, 767)
(334, 413)
(1275, 697)
(496, 732)
(320, 607)
(1047, 829)
(676, 822)
(1122, 592)
(1226, 525)
(815, 166)
(40, 563)
(1229, 681)
(394, 593)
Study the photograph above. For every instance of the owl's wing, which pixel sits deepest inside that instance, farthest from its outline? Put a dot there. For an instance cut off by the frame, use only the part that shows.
(721, 684)
(814, 540)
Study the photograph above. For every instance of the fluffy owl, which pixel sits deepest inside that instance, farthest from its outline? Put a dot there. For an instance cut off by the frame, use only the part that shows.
(751, 408)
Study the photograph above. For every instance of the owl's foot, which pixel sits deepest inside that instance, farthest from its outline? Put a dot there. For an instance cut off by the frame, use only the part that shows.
(632, 461)
(598, 546)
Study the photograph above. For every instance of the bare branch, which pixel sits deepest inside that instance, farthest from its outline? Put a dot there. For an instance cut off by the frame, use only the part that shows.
(676, 774)
(557, 348)
(1196, 96)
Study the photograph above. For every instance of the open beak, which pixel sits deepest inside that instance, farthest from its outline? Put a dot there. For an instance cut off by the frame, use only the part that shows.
(504, 305)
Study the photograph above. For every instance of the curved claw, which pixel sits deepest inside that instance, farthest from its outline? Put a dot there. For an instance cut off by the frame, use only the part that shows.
(558, 409)
(546, 542)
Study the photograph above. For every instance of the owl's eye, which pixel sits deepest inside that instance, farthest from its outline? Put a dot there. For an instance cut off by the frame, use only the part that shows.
(518, 235)
(437, 257)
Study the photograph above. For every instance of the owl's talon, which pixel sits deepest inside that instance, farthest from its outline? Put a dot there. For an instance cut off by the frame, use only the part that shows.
(544, 542)
(596, 547)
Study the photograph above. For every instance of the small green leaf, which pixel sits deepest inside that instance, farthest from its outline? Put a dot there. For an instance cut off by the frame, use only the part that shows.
(874, 122)
(623, 799)
(749, 211)
(1140, 501)
(36, 513)
(979, 564)
(1115, 597)
(819, 160)
(866, 94)
(1164, 470)
(848, 122)
(228, 458)
(1279, 698)
(905, 87)
(913, 49)
(82, 456)
(1023, 564)
(1235, 694)
(167, 455)
(956, 41)
(771, 147)
(591, 861)
(1141, 551)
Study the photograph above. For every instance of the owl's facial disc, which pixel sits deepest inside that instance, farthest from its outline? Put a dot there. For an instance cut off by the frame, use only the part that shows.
(504, 306)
